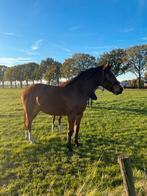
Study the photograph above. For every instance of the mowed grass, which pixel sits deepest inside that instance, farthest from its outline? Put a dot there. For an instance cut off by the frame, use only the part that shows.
(114, 125)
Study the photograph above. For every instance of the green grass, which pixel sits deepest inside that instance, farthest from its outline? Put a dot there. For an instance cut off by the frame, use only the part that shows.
(114, 125)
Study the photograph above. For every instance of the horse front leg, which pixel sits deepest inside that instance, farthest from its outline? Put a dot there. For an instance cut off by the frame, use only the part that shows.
(70, 131)
(77, 128)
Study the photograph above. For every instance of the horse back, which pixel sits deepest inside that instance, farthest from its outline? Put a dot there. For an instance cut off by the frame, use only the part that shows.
(54, 100)
(50, 99)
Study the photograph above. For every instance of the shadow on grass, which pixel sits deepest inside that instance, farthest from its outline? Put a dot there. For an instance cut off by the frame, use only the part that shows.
(133, 110)
(8, 115)
(95, 147)
(107, 150)
(50, 151)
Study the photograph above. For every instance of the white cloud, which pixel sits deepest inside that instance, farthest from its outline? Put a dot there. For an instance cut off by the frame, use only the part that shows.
(36, 45)
(28, 52)
(62, 48)
(66, 49)
(33, 50)
(107, 47)
(7, 33)
(144, 38)
(9, 61)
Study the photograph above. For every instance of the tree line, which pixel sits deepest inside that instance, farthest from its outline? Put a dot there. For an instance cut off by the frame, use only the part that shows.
(133, 59)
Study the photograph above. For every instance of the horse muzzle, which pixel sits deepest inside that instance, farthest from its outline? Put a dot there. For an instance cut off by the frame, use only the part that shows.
(118, 90)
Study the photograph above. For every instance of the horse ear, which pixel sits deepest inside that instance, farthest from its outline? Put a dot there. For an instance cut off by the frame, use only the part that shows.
(106, 66)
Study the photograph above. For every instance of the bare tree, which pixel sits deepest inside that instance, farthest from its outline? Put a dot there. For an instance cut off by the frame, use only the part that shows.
(137, 58)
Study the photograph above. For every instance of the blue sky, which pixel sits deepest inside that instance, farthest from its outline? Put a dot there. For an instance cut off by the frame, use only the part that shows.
(32, 30)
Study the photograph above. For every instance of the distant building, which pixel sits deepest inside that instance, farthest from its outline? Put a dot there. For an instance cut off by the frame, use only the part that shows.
(145, 83)
(125, 83)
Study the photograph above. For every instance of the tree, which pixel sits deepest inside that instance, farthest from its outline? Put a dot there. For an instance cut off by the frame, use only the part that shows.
(9, 75)
(134, 83)
(2, 71)
(117, 58)
(77, 63)
(145, 76)
(50, 70)
(44, 66)
(53, 74)
(15, 75)
(29, 71)
(137, 58)
(67, 69)
(19, 71)
(84, 61)
(37, 75)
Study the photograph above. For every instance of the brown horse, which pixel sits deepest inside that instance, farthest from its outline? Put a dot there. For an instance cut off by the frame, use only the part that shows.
(92, 96)
(70, 100)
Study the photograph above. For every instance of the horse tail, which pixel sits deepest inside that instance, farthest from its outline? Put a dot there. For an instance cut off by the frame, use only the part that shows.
(25, 109)
(24, 116)
(29, 105)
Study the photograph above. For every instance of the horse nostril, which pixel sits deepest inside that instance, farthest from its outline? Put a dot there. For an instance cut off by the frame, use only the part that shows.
(120, 91)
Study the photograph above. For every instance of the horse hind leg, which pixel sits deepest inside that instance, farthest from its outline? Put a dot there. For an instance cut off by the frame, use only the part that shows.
(53, 122)
(28, 125)
(59, 123)
(25, 128)
(28, 122)
(30, 138)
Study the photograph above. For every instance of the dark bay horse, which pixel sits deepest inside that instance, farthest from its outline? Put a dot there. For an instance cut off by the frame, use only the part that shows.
(92, 96)
(70, 100)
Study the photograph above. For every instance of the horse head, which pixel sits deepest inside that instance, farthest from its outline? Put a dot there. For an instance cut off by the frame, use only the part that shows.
(110, 82)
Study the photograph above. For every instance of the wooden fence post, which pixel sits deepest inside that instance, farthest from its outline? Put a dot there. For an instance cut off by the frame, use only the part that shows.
(127, 175)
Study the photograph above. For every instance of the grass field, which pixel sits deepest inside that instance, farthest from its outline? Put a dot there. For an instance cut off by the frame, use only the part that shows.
(114, 125)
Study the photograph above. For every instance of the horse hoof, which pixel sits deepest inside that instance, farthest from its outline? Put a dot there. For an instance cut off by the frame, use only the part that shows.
(32, 141)
(69, 147)
(70, 153)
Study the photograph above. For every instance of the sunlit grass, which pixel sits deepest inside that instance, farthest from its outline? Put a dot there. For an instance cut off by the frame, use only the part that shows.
(114, 125)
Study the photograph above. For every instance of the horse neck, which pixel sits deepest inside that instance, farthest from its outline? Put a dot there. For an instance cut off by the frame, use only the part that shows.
(92, 83)
(88, 84)
(83, 87)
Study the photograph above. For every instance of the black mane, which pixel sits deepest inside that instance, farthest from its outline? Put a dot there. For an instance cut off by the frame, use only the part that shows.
(88, 73)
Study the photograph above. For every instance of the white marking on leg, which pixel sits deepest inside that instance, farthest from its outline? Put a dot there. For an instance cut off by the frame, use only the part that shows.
(59, 127)
(31, 140)
(52, 127)
(26, 134)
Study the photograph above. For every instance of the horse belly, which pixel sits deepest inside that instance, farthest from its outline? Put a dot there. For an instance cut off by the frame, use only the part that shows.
(76, 108)
(56, 111)
(53, 108)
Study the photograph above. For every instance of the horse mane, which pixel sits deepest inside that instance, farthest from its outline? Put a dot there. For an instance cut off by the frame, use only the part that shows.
(87, 74)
